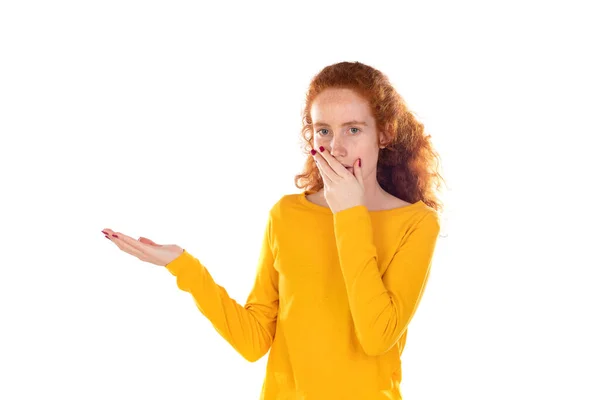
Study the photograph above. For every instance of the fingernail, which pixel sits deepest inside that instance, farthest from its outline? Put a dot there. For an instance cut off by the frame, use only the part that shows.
(359, 164)
(115, 236)
(322, 148)
(107, 237)
(106, 233)
(313, 152)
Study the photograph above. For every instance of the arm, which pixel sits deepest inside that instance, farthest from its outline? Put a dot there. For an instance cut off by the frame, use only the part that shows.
(383, 306)
(249, 329)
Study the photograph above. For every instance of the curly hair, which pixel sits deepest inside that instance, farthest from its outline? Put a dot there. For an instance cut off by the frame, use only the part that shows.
(408, 166)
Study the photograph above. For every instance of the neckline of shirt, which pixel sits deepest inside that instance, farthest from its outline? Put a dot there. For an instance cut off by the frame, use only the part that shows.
(303, 200)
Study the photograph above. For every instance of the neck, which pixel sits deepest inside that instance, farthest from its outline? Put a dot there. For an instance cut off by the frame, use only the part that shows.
(374, 193)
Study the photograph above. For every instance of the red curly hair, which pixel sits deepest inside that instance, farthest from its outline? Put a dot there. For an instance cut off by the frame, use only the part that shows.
(408, 167)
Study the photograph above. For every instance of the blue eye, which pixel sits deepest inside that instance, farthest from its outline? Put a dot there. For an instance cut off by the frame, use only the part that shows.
(357, 130)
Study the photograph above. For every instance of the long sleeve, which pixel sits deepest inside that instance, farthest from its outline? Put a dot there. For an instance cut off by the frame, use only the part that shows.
(250, 329)
(382, 306)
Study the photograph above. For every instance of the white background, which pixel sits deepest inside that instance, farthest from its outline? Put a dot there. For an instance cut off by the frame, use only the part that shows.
(181, 122)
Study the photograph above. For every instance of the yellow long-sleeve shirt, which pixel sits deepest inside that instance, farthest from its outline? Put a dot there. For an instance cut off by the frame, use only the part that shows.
(332, 298)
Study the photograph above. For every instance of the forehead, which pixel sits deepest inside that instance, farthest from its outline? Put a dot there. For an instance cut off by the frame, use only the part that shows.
(332, 105)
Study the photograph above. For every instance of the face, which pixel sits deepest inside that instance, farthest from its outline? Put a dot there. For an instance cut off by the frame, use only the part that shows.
(344, 125)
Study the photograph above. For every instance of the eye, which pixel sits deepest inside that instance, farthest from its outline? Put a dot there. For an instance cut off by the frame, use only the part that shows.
(319, 131)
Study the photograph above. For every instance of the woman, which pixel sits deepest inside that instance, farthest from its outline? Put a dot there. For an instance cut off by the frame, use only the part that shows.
(344, 264)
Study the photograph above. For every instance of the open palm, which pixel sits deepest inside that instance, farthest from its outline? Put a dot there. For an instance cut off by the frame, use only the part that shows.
(145, 249)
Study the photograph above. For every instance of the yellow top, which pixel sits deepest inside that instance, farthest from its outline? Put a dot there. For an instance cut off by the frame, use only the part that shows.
(332, 298)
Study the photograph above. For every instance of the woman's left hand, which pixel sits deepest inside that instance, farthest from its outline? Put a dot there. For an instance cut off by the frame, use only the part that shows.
(144, 248)
(342, 188)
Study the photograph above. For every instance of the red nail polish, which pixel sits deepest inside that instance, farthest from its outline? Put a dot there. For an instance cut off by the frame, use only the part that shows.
(322, 148)
(313, 152)
(359, 164)
(115, 236)
(107, 237)
(106, 233)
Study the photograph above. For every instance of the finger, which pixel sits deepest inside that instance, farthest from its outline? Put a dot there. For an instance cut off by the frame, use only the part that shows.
(108, 233)
(358, 173)
(137, 248)
(325, 169)
(127, 248)
(333, 163)
(147, 241)
(131, 241)
(324, 175)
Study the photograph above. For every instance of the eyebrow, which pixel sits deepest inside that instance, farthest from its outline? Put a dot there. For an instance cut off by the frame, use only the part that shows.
(344, 124)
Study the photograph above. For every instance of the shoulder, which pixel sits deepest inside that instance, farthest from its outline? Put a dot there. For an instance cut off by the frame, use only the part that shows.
(286, 200)
(283, 203)
(421, 216)
(429, 221)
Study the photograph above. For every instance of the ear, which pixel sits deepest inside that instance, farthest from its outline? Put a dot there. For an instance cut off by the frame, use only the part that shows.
(383, 140)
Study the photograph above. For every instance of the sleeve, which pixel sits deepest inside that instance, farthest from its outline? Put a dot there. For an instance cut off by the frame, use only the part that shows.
(250, 329)
(382, 306)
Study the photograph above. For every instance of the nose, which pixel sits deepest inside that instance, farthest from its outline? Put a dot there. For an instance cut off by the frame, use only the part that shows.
(336, 148)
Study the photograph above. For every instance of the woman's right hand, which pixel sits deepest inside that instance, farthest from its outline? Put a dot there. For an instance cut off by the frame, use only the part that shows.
(145, 249)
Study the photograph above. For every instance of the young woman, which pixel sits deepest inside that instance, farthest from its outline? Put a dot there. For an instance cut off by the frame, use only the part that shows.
(343, 264)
